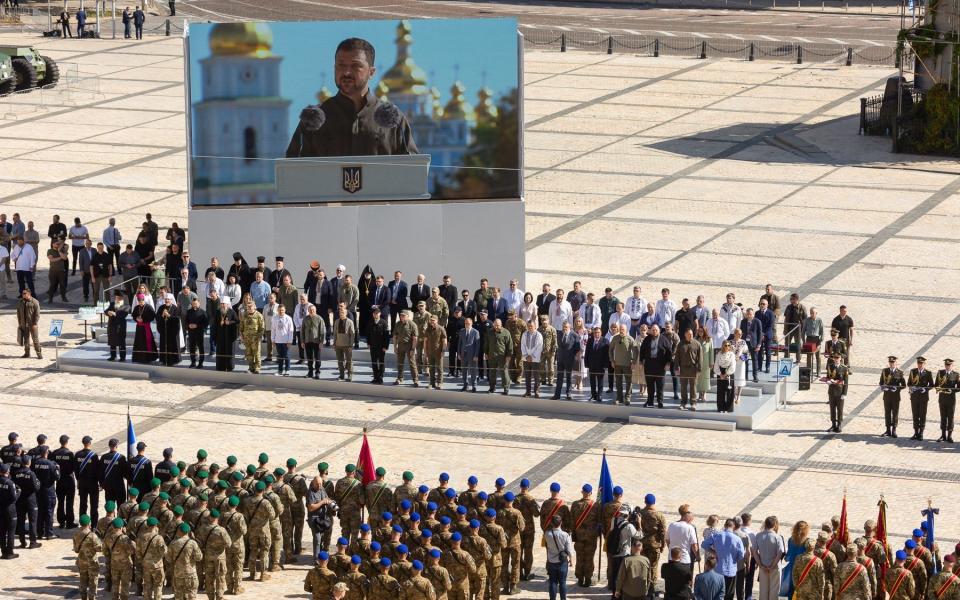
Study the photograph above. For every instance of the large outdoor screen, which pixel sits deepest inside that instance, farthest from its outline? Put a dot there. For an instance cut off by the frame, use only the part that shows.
(299, 100)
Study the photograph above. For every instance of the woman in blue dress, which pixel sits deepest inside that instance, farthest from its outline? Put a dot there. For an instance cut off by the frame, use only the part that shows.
(801, 531)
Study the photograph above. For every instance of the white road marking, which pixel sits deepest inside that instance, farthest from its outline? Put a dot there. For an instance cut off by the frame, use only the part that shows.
(730, 35)
(700, 35)
(836, 41)
(667, 33)
(767, 37)
(804, 40)
(871, 43)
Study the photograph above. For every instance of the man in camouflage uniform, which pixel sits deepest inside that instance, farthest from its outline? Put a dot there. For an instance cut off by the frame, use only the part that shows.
(418, 587)
(151, 548)
(480, 551)
(320, 580)
(298, 512)
(405, 341)
(461, 567)
(236, 525)
(438, 574)
(200, 465)
(512, 522)
(917, 568)
(530, 509)
(121, 560)
(497, 540)
(378, 498)
(586, 531)
(515, 327)
(382, 585)
(135, 527)
(851, 581)
(899, 582)
(653, 529)
(808, 574)
(875, 551)
(276, 529)
(261, 513)
(169, 535)
(829, 560)
(497, 351)
(421, 318)
(215, 544)
(348, 493)
(945, 585)
(434, 344)
(549, 353)
(87, 545)
(185, 555)
(356, 581)
(126, 511)
(438, 307)
(251, 333)
(287, 499)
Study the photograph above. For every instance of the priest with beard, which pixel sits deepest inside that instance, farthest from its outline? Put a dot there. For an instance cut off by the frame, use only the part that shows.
(144, 343)
(169, 329)
(226, 335)
(117, 315)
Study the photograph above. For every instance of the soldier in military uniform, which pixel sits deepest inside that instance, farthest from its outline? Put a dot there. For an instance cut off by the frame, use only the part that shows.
(418, 587)
(151, 548)
(898, 582)
(236, 526)
(512, 522)
(287, 499)
(276, 528)
(261, 513)
(438, 307)
(348, 493)
(516, 328)
(867, 562)
(184, 555)
(808, 576)
(434, 344)
(920, 381)
(356, 581)
(549, 353)
(891, 382)
(851, 581)
(438, 575)
(480, 551)
(829, 560)
(621, 350)
(917, 568)
(554, 506)
(461, 567)
(653, 529)
(120, 565)
(354, 122)
(498, 350)
(837, 376)
(215, 543)
(320, 579)
(586, 530)
(530, 509)
(948, 381)
(382, 585)
(946, 584)
(251, 333)
(298, 512)
(87, 545)
(421, 318)
(405, 341)
(200, 465)
(378, 497)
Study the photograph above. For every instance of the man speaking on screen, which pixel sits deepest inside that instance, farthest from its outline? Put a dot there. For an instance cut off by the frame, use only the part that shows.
(354, 122)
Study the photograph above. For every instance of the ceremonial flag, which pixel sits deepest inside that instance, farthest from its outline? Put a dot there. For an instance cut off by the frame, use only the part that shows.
(131, 437)
(605, 488)
(843, 533)
(881, 537)
(929, 513)
(365, 462)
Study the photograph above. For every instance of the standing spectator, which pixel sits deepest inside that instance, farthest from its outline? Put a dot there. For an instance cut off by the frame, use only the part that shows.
(731, 313)
(682, 534)
(86, 259)
(127, 19)
(59, 261)
(793, 316)
(677, 577)
(656, 353)
(176, 235)
(651, 318)
(101, 268)
(281, 334)
(719, 330)
(768, 321)
(812, 337)
(6, 239)
(795, 547)
(723, 368)
(745, 528)
(768, 551)
(344, 336)
(544, 300)
(633, 578)
(78, 235)
(559, 557)
(514, 296)
(753, 335)
(173, 263)
(260, 291)
(741, 353)
(455, 325)
(25, 262)
(701, 311)
(568, 346)
(56, 230)
(634, 307)
(576, 298)
(666, 308)
(596, 357)
(4, 271)
(149, 226)
(528, 309)
(28, 317)
(729, 552)
(65, 24)
(378, 341)
(81, 22)
(17, 228)
(468, 350)
(590, 313)
(619, 540)
(312, 333)
(844, 326)
(111, 239)
(531, 347)
(32, 237)
(129, 266)
(688, 360)
(773, 300)
(743, 565)
(686, 318)
(709, 585)
(398, 298)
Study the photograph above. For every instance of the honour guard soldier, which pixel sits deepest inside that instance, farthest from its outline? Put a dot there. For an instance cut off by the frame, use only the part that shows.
(873, 549)
(808, 582)
(824, 542)
(851, 581)
(948, 381)
(113, 470)
(184, 555)
(382, 585)
(438, 576)
(653, 529)
(920, 381)
(917, 568)
(348, 493)
(528, 507)
(945, 585)
(586, 531)
(87, 544)
(512, 522)
(899, 581)
(151, 548)
(837, 375)
(891, 382)
(497, 540)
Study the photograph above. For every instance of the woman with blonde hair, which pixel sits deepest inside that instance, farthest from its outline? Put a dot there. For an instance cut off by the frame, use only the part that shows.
(799, 535)
(723, 368)
(580, 367)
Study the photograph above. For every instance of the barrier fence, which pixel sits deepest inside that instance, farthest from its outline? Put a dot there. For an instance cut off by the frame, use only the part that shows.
(73, 89)
(694, 47)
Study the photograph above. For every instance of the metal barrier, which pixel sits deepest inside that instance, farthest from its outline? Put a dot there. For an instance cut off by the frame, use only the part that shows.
(73, 88)
(694, 47)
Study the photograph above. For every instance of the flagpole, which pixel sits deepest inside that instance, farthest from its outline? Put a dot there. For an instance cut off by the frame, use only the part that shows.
(601, 526)
(362, 490)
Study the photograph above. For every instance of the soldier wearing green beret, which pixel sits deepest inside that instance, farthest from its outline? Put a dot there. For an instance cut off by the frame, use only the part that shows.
(110, 541)
(200, 465)
(200, 484)
(405, 491)
(249, 482)
(378, 497)
(134, 528)
(323, 470)
(151, 548)
(184, 555)
(263, 468)
(236, 525)
(161, 509)
(348, 494)
(128, 508)
(227, 473)
(287, 499)
(87, 545)
(151, 496)
(276, 528)
(298, 512)
(261, 513)
(219, 498)
(215, 546)
(183, 496)
(196, 515)
(169, 535)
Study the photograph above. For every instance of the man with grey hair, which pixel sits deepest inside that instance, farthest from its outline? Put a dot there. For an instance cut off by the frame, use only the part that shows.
(768, 551)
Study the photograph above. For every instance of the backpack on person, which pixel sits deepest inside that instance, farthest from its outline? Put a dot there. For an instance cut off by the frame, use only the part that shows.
(615, 537)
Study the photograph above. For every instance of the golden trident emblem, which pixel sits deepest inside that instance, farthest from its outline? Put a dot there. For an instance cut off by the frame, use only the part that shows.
(352, 179)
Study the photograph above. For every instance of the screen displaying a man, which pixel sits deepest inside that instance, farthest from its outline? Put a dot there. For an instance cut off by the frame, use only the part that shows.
(354, 122)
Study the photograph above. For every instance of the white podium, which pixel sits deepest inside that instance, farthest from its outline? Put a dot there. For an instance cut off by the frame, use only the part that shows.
(353, 179)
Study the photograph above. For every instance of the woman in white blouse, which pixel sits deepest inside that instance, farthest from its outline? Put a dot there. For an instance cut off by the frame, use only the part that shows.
(232, 292)
(147, 296)
(528, 310)
(724, 368)
(580, 369)
(741, 352)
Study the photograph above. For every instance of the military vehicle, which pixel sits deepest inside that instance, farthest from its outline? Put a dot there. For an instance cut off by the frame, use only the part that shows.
(30, 68)
(7, 80)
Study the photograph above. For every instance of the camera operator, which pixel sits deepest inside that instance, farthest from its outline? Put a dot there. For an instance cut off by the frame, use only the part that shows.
(320, 512)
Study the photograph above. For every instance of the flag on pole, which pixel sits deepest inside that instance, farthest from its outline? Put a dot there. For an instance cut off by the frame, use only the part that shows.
(131, 437)
(929, 540)
(605, 487)
(365, 461)
(843, 533)
(881, 537)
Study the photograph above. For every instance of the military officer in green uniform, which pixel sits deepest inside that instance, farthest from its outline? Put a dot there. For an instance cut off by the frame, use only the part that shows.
(437, 306)
(516, 327)
(348, 493)
(837, 375)
(621, 358)
(920, 381)
(808, 574)
(251, 332)
(434, 344)
(653, 529)
(499, 347)
(891, 382)
(378, 497)
(405, 334)
(549, 352)
(948, 381)
(421, 318)
(585, 515)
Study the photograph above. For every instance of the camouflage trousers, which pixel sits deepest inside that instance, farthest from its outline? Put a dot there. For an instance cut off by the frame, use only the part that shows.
(459, 591)
(298, 514)
(546, 367)
(653, 555)
(511, 565)
(526, 551)
(120, 574)
(259, 552)
(286, 528)
(276, 543)
(251, 353)
(405, 353)
(185, 587)
(89, 580)
(492, 592)
(586, 553)
(478, 583)
(153, 577)
(234, 568)
(349, 524)
(516, 364)
(215, 577)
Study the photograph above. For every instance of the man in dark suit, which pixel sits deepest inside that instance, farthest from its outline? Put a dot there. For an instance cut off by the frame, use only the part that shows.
(544, 300)
(398, 297)
(753, 335)
(113, 470)
(497, 307)
(468, 306)
(655, 353)
(767, 320)
(448, 292)
(380, 297)
(597, 359)
(568, 344)
(419, 291)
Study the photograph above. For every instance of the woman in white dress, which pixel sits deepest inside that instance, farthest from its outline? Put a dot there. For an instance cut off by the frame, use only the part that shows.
(724, 368)
(580, 369)
(528, 310)
(741, 352)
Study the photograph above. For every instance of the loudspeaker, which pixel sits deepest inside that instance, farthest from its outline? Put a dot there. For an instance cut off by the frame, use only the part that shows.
(805, 378)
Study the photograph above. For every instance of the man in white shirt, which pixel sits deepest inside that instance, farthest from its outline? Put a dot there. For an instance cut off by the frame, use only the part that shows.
(212, 283)
(681, 534)
(590, 313)
(636, 305)
(25, 261)
(281, 333)
(620, 319)
(111, 240)
(718, 329)
(78, 234)
(299, 314)
(666, 308)
(531, 347)
(514, 297)
(731, 313)
(560, 312)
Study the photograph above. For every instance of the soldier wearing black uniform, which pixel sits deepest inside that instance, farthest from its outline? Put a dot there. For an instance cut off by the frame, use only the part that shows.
(163, 468)
(9, 493)
(28, 483)
(67, 484)
(87, 468)
(48, 473)
(140, 471)
(41, 443)
(948, 381)
(891, 382)
(113, 472)
(837, 375)
(11, 450)
(920, 381)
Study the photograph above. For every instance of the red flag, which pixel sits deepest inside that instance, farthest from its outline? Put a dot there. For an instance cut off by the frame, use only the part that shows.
(842, 533)
(365, 462)
(881, 536)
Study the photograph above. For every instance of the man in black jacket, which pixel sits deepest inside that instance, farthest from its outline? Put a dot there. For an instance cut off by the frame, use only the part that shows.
(88, 478)
(197, 322)
(448, 291)
(28, 483)
(113, 471)
(378, 339)
(544, 300)
(568, 344)
(655, 352)
(140, 471)
(48, 474)
(9, 493)
(67, 484)
(597, 359)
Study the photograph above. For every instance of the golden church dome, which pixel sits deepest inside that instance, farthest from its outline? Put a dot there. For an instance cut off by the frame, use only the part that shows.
(486, 109)
(241, 39)
(458, 107)
(405, 77)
